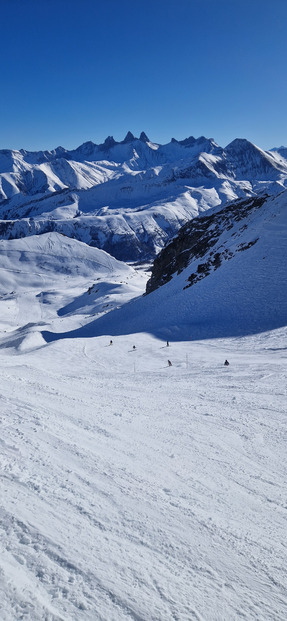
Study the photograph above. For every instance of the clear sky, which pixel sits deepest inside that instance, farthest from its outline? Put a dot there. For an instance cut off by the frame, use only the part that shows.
(77, 70)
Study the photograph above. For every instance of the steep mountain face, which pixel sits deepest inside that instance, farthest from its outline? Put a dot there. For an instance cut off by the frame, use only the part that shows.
(224, 274)
(200, 241)
(228, 268)
(130, 197)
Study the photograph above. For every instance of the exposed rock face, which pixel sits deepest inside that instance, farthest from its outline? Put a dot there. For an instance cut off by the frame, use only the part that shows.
(196, 240)
(144, 137)
(129, 138)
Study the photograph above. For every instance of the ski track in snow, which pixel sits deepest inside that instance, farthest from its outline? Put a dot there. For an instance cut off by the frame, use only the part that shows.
(131, 490)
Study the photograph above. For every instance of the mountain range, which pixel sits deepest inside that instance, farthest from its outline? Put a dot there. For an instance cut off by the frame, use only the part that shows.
(130, 198)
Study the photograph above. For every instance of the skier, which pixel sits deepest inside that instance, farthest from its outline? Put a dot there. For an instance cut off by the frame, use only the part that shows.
(167, 343)
(134, 347)
(111, 342)
(226, 364)
(169, 363)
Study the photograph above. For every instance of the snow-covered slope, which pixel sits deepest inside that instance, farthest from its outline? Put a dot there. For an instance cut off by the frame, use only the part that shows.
(51, 278)
(131, 490)
(129, 198)
(225, 274)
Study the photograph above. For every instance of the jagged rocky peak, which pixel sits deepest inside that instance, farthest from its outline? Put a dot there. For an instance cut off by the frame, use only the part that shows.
(144, 137)
(191, 141)
(109, 142)
(129, 138)
(188, 142)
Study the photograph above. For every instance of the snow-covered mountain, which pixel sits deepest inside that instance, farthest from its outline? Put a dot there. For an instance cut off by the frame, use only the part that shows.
(130, 197)
(281, 152)
(224, 274)
(51, 279)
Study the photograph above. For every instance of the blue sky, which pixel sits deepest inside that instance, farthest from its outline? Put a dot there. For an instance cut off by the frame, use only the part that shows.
(77, 70)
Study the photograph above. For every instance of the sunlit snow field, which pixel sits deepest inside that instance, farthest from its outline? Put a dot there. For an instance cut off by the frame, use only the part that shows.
(131, 489)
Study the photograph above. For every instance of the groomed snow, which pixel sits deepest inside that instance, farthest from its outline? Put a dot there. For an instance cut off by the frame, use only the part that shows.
(132, 490)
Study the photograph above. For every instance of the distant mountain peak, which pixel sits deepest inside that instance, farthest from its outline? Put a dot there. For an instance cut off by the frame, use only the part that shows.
(188, 142)
(240, 143)
(191, 141)
(143, 137)
(129, 138)
(109, 142)
(86, 148)
(282, 150)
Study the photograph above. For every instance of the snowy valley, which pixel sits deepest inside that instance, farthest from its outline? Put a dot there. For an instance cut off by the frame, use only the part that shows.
(132, 489)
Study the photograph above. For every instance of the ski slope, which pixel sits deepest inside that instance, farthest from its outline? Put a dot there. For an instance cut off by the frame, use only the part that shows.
(131, 490)
(134, 490)
(51, 278)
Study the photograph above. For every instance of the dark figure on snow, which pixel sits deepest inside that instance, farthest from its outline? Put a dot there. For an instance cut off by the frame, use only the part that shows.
(134, 346)
(169, 363)
(111, 342)
(167, 343)
(226, 364)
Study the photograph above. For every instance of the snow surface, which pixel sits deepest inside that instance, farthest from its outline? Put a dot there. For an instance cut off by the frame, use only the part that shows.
(247, 294)
(131, 490)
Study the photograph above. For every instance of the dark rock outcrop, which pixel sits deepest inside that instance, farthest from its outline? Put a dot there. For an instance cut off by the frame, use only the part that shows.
(196, 240)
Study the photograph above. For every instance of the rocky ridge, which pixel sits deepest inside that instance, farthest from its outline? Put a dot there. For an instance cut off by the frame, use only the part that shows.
(198, 239)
